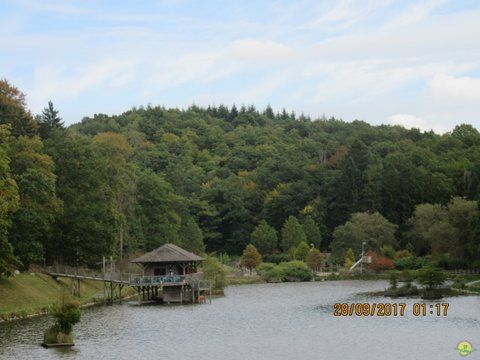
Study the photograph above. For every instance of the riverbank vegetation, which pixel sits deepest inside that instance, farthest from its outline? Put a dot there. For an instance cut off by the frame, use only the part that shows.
(215, 179)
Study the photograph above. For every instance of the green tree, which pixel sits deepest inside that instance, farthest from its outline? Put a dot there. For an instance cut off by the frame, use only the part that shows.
(156, 210)
(373, 229)
(431, 276)
(264, 238)
(214, 272)
(292, 233)
(251, 258)
(13, 111)
(49, 120)
(8, 205)
(32, 224)
(301, 251)
(86, 229)
(191, 235)
(312, 232)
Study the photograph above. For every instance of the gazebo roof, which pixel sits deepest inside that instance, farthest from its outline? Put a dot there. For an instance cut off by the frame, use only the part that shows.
(168, 253)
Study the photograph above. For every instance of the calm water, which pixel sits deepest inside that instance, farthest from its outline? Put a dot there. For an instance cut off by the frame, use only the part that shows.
(266, 321)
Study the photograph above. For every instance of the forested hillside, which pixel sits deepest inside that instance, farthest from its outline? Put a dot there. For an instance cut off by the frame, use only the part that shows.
(213, 176)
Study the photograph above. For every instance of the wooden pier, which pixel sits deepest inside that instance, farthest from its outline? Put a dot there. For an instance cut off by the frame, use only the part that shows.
(170, 275)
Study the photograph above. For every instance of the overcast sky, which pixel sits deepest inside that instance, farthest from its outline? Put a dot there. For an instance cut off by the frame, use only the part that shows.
(395, 62)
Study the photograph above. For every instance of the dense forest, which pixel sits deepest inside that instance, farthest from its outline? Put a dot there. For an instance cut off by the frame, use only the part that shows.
(218, 178)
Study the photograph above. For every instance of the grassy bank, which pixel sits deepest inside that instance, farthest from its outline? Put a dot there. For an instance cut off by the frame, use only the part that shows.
(29, 294)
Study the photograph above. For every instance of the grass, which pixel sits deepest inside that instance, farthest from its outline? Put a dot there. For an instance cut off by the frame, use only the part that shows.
(28, 294)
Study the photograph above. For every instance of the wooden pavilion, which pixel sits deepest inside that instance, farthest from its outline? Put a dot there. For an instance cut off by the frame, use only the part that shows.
(170, 274)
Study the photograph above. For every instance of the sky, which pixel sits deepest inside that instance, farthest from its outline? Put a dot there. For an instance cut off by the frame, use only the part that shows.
(413, 63)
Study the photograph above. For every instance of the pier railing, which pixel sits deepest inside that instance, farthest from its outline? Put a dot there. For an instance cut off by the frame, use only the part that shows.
(156, 280)
(194, 279)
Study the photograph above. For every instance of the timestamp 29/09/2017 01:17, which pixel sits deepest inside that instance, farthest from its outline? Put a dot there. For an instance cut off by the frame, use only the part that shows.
(389, 309)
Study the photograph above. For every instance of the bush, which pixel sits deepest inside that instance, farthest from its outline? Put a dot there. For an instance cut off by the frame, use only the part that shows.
(387, 251)
(410, 262)
(431, 276)
(301, 251)
(215, 272)
(295, 271)
(270, 272)
(393, 279)
(66, 315)
(380, 263)
(276, 258)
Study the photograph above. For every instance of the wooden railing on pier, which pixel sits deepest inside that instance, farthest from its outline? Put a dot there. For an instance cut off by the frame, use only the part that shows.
(86, 274)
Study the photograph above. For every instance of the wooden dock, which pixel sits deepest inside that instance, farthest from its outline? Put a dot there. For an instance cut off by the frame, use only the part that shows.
(190, 288)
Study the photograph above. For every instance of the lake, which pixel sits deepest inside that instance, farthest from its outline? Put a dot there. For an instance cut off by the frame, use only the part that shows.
(262, 321)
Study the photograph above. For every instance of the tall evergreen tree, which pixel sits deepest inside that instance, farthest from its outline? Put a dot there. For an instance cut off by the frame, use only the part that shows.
(49, 120)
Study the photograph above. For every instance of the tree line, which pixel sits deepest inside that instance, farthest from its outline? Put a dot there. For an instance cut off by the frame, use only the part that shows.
(218, 178)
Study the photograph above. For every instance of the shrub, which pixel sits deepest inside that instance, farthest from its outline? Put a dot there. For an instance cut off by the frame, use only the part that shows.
(387, 251)
(410, 262)
(295, 271)
(276, 258)
(215, 272)
(393, 279)
(380, 263)
(301, 251)
(270, 272)
(66, 315)
(431, 277)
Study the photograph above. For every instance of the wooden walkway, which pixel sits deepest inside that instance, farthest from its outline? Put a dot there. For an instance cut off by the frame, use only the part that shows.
(113, 282)
(86, 277)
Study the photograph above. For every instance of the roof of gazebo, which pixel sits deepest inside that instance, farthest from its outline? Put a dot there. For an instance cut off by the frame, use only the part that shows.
(168, 253)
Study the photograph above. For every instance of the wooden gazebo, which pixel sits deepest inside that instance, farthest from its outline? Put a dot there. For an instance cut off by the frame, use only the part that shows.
(170, 274)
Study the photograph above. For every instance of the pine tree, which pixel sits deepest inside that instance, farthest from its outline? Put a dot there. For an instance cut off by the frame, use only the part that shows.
(269, 112)
(251, 258)
(49, 120)
(233, 113)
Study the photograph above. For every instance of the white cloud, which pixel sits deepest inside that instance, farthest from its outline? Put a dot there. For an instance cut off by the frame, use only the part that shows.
(416, 12)
(447, 87)
(259, 50)
(406, 120)
(50, 82)
(411, 121)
